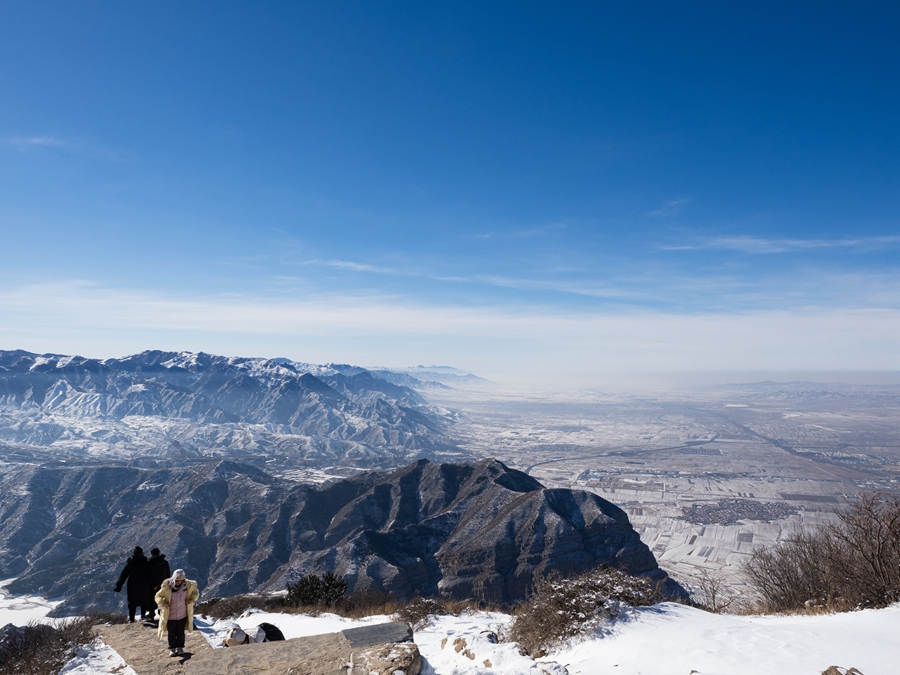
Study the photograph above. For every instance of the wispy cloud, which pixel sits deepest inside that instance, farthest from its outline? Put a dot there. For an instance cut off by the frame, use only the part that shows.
(359, 267)
(581, 288)
(569, 287)
(671, 207)
(533, 341)
(519, 234)
(28, 143)
(23, 142)
(761, 245)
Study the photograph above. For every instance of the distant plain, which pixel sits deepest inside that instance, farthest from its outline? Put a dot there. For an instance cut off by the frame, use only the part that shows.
(705, 474)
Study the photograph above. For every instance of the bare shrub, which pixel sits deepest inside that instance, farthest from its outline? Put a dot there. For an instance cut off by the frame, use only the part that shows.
(868, 539)
(368, 603)
(315, 591)
(853, 563)
(419, 612)
(228, 608)
(795, 572)
(560, 609)
(716, 595)
(355, 606)
(39, 649)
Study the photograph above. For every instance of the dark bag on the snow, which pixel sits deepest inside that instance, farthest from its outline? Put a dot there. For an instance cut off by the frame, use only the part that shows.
(273, 633)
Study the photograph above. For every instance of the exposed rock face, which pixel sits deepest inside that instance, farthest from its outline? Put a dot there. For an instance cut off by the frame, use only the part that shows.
(477, 531)
(182, 405)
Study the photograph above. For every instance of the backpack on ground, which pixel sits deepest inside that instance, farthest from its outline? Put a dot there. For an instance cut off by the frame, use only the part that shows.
(273, 633)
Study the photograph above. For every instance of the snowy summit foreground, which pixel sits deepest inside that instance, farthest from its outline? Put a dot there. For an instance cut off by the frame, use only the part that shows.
(660, 640)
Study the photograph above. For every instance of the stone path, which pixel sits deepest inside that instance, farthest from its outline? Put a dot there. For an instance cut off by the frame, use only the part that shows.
(379, 649)
(138, 645)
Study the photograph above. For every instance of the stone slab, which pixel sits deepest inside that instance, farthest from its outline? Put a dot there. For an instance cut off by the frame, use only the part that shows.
(378, 634)
(141, 649)
(315, 655)
(383, 649)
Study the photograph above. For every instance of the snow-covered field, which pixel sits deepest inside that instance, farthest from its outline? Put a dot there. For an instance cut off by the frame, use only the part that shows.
(660, 640)
(21, 609)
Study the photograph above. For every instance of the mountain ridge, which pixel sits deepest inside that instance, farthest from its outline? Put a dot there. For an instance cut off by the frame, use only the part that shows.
(185, 404)
(469, 530)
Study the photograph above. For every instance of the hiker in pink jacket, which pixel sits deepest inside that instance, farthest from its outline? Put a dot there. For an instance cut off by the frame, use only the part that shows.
(175, 599)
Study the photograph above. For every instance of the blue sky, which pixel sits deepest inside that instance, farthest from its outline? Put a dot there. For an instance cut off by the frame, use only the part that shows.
(517, 189)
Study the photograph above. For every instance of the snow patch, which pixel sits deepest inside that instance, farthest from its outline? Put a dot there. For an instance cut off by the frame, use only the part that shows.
(97, 659)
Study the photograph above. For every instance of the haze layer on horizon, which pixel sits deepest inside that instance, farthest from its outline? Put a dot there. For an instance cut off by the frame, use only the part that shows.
(525, 192)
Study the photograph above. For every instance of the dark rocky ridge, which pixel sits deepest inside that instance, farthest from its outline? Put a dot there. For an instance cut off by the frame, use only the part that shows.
(182, 405)
(477, 531)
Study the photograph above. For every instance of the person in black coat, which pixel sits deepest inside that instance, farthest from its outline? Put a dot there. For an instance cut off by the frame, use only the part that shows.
(137, 574)
(159, 572)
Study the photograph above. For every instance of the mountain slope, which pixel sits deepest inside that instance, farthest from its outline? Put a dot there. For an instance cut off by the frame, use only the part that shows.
(168, 404)
(461, 530)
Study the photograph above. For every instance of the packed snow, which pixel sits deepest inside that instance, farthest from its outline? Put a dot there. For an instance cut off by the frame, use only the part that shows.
(658, 640)
(97, 658)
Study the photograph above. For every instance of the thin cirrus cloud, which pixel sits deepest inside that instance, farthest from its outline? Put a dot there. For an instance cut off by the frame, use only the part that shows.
(48, 142)
(762, 245)
(671, 207)
(525, 233)
(585, 289)
(393, 330)
(566, 287)
(659, 288)
(25, 142)
(359, 267)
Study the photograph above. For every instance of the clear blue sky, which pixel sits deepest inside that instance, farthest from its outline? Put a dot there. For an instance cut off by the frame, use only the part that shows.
(506, 187)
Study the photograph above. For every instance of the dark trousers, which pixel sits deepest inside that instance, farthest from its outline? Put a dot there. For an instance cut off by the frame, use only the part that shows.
(132, 608)
(176, 633)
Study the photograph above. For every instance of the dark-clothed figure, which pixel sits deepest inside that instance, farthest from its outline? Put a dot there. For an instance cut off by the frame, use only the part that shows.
(159, 572)
(136, 574)
(176, 598)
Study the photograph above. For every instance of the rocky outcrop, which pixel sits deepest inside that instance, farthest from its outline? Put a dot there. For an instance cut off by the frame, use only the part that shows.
(480, 530)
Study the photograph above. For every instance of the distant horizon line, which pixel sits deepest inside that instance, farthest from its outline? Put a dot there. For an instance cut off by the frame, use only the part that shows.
(695, 377)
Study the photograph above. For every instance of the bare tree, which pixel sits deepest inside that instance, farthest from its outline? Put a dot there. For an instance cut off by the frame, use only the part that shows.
(852, 563)
(868, 538)
(792, 573)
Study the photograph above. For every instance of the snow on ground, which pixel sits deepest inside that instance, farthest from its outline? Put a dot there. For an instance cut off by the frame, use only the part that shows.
(97, 659)
(660, 640)
(292, 625)
(474, 634)
(467, 645)
(666, 639)
(22, 609)
(671, 638)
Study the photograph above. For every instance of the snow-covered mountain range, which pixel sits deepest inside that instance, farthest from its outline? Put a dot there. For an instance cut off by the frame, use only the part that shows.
(182, 405)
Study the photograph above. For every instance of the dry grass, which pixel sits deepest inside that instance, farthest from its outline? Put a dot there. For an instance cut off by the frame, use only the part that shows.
(100, 616)
(417, 612)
